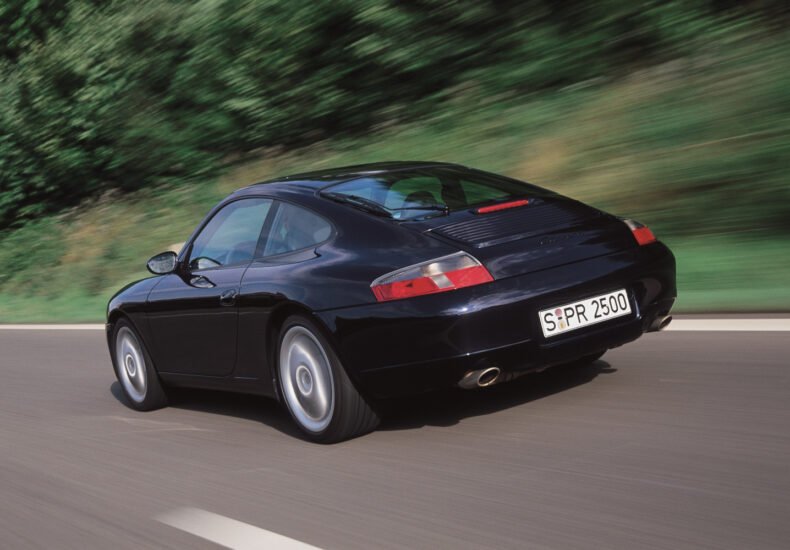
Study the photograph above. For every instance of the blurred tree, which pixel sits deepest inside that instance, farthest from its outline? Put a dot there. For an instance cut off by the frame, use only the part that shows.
(106, 95)
(24, 23)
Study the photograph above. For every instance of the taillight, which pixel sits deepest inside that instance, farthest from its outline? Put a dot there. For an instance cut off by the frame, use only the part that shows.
(451, 272)
(641, 233)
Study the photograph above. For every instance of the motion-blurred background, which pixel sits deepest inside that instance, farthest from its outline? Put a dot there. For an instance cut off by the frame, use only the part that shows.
(121, 123)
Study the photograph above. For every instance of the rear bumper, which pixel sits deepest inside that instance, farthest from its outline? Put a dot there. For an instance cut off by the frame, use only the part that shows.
(416, 345)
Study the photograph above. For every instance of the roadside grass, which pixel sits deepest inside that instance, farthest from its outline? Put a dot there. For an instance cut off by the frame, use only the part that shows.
(732, 273)
(696, 148)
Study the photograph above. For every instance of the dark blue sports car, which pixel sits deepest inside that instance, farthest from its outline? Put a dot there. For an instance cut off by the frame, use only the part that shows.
(333, 289)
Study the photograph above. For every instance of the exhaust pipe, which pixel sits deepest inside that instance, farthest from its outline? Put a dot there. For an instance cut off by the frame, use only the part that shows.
(480, 378)
(660, 323)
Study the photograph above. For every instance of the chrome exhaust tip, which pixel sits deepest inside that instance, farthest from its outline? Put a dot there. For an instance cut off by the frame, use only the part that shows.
(660, 323)
(480, 378)
(488, 377)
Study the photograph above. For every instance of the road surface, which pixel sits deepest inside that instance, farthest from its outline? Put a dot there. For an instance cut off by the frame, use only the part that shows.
(679, 440)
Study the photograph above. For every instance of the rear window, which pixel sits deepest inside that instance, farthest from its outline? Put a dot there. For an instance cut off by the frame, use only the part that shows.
(413, 194)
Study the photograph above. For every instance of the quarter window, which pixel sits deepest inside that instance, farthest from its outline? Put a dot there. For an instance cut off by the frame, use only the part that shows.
(295, 228)
(231, 236)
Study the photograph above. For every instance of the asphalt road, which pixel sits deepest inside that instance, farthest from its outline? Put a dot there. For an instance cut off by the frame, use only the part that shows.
(679, 440)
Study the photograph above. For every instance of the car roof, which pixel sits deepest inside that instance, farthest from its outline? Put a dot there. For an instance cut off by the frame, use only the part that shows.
(321, 178)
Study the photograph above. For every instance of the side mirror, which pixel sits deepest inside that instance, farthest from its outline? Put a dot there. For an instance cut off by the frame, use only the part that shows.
(163, 263)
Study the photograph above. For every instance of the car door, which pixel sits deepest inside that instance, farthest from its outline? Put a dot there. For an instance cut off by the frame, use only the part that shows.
(193, 312)
(288, 246)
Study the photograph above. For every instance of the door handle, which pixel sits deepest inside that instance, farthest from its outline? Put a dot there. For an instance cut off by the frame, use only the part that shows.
(228, 298)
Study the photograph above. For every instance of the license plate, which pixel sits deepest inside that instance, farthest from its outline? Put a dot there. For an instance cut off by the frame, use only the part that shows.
(576, 315)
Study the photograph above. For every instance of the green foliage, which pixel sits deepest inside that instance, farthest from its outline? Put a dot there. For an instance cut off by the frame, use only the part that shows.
(676, 113)
(25, 23)
(125, 95)
(699, 155)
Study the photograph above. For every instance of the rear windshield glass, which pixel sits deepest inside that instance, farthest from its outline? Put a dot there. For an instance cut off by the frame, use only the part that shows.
(412, 194)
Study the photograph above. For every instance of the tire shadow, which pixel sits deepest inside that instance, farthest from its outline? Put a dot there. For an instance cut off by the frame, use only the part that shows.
(254, 408)
(441, 408)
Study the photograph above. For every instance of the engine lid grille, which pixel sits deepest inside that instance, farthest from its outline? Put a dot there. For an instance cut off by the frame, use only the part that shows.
(539, 217)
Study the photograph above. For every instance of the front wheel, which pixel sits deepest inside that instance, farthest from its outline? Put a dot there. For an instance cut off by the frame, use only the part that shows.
(134, 370)
(315, 387)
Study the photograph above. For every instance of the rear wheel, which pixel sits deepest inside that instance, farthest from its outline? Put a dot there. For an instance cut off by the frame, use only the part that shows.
(134, 370)
(315, 387)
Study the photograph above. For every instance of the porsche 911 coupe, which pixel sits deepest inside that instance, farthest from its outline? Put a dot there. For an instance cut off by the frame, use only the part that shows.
(334, 289)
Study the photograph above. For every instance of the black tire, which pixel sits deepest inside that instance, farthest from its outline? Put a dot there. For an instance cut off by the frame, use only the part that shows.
(142, 388)
(584, 361)
(308, 367)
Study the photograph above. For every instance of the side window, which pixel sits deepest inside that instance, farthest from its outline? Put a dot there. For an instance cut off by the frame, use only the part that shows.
(295, 228)
(230, 237)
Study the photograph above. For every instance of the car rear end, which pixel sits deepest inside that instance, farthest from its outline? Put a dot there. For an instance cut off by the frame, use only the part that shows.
(536, 281)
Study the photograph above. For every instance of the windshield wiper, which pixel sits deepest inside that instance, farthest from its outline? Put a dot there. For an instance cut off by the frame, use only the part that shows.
(360, 202)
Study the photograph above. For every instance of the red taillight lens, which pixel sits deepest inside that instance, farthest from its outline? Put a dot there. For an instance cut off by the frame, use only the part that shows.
(641, 233)
(501, 206)
(451, 272)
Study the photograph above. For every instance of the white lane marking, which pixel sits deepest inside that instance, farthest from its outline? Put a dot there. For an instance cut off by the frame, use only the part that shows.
(52, 327)
(228, 532)
(730, 325)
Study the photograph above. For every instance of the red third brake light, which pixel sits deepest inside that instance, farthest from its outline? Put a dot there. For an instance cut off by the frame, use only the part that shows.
(501, 206)
(451, 272)
(641, 233)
